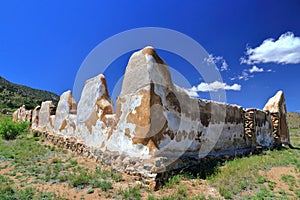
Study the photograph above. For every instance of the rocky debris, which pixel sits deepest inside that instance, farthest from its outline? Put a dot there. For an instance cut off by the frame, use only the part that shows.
(93, 107)
(277, 105)
(65, 117)
(157, 128)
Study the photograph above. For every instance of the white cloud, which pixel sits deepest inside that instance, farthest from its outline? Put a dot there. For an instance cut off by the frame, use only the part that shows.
(213, 59)
(255, 69)
(285, 50)
(245, 73)
(224, 66)
(245, 76)
(213, 87)
(191, 93)
(217, 60)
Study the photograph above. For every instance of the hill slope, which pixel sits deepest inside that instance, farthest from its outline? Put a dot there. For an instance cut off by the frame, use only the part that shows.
(14, 95)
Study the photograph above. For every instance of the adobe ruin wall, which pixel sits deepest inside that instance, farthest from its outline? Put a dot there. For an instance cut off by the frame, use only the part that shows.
(156, 128)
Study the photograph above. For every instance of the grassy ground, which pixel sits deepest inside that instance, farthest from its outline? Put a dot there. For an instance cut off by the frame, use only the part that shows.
(273, 175)
(31, 168)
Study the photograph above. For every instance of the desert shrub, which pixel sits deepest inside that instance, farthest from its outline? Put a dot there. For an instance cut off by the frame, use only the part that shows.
(81, 179)
(9, 130)
(104, 185)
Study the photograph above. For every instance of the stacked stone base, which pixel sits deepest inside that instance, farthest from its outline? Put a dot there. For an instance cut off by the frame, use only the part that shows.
(119, 162)
(151, 173)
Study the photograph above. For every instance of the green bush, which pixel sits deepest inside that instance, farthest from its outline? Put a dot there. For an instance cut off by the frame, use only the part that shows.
(9, 130)
(81, 179)
(104, 185)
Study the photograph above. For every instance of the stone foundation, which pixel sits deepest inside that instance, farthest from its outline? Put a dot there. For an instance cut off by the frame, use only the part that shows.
(151, 175)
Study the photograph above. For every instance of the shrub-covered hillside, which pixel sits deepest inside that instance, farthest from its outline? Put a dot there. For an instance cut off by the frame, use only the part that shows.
(14, 95)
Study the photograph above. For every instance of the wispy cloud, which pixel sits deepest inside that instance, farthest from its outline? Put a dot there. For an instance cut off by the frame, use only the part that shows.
(249, 73)
(243, 76)
(217, 60)
(285, 50)
(255, 69)
(212, 87)
(224, 66)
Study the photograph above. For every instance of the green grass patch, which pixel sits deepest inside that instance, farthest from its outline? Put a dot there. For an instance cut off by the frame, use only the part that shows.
(131, 193)
(290, 180)
(80, 179)
(49, 196)
(174, 181)
(104, 185)
(8, 191)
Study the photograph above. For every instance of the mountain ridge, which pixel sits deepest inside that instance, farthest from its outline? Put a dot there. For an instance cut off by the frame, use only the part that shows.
(15, 95)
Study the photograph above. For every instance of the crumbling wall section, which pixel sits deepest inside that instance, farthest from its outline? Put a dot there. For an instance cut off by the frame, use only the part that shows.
(46, 116)
(66, 114)
(277, 107)
(22, 115)
(93, 108)
(263, 130)
(35, 117)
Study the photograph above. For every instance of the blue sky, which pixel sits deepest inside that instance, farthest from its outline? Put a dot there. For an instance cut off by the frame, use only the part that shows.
(255, 44)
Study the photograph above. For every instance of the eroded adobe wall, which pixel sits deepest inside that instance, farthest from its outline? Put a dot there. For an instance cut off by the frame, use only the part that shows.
(46, 116)
(66, 115)
(156, 128)
(35, 117)
(93, 108)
